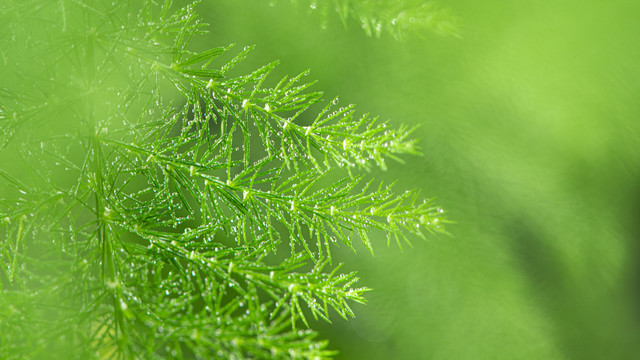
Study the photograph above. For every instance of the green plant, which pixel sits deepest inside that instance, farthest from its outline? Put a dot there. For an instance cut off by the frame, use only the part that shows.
(155, 204)
(398, 17)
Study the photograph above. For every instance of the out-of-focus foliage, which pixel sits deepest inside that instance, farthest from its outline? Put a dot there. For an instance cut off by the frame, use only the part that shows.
(398, 18)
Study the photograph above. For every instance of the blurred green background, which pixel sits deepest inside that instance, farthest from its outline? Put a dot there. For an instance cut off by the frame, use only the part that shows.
(530, 133)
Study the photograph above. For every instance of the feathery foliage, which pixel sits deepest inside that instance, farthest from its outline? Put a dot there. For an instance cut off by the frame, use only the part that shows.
(398, 18)
(155, 203)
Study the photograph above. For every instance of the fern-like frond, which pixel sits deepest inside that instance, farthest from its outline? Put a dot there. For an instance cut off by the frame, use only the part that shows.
(152, 190)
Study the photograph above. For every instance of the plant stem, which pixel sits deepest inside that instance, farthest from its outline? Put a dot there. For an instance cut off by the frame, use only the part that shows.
(15, 250)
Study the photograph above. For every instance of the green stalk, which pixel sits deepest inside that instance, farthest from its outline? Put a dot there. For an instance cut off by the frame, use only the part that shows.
(15, 251)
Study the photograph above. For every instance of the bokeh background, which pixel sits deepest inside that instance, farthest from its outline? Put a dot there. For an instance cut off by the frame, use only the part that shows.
(530, 129)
